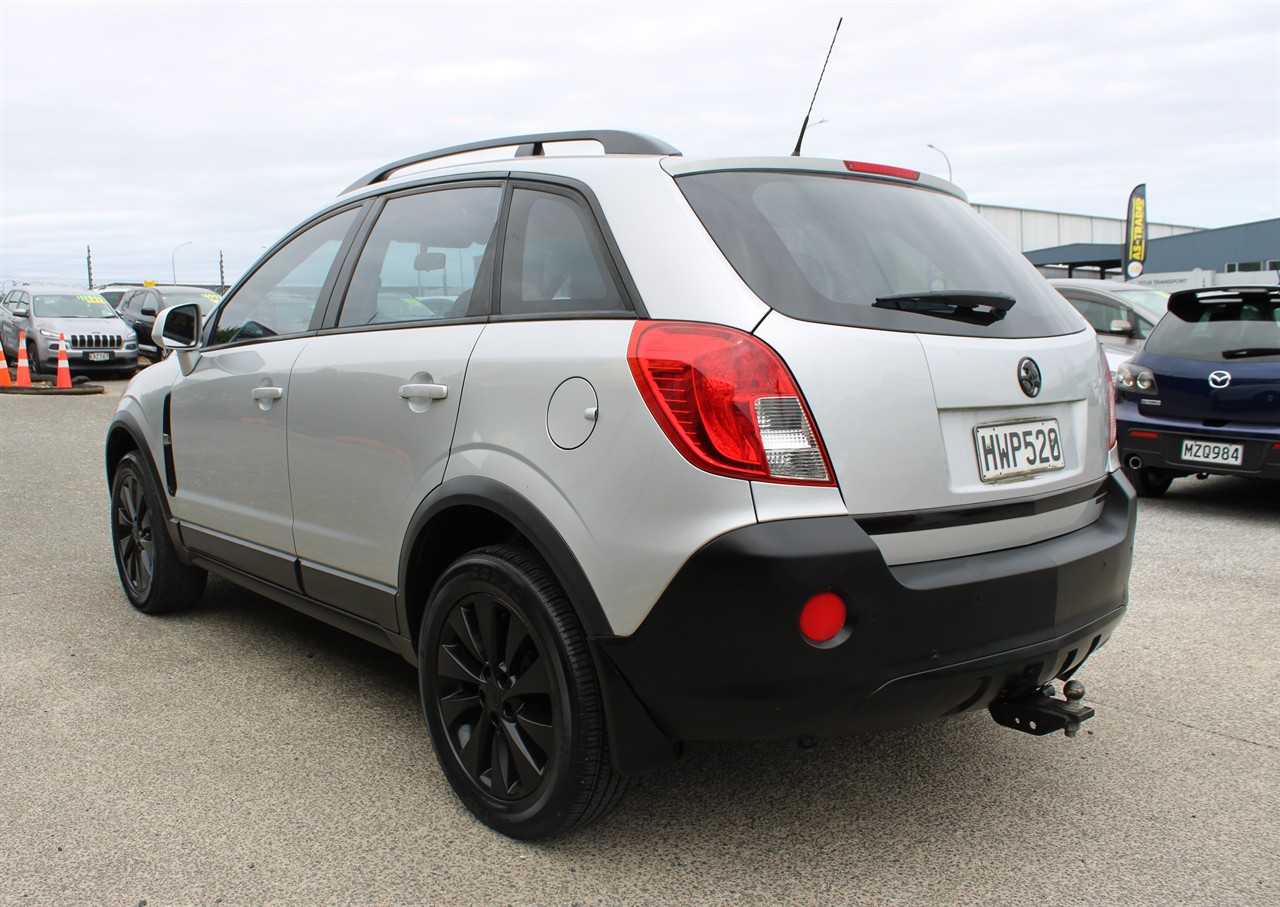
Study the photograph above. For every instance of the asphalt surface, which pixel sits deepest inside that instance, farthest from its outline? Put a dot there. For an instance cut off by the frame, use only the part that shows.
(243, 754)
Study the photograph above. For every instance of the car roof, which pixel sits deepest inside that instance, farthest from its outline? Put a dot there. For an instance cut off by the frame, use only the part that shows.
(627, 156)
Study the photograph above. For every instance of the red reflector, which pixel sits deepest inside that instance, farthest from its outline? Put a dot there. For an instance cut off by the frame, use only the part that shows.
(822, 617)
(881, 170)
(1143, 434)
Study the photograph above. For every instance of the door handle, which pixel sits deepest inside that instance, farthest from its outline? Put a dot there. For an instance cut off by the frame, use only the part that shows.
(424, 391)
(267, 393)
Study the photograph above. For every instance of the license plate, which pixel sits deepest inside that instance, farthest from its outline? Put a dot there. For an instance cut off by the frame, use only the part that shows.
(1016, 449)
(99, 357)
(1213, 452)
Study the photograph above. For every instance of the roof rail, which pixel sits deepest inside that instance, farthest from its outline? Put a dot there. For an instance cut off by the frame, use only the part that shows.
(614, 141)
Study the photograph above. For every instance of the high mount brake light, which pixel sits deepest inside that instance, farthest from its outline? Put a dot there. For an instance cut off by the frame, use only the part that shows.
(882, 170)
(727, 402)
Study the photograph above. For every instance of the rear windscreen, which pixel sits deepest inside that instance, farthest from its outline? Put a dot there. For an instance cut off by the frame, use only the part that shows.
(1219, 331)
(825, 248)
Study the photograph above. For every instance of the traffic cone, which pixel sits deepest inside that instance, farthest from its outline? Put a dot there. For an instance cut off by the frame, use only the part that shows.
(5, 380)
(64, 367)
(24, 373)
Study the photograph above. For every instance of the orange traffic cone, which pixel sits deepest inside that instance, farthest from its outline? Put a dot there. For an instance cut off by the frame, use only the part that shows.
(5, 380)
(64, 367)
(24, 373)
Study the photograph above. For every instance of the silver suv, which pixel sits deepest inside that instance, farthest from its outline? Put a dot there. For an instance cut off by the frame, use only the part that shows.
(629, 449)
(43, 318)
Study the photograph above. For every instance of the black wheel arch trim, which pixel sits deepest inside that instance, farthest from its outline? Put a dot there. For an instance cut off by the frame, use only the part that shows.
(509, 505)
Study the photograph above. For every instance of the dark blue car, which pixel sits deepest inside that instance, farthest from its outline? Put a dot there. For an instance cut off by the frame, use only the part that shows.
(1203, 396)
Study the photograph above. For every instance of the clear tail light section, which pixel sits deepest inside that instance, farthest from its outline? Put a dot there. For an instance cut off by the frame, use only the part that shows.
(727, 402)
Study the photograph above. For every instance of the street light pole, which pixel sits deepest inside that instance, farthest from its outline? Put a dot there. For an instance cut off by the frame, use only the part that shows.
(173, 259)
(945, 158)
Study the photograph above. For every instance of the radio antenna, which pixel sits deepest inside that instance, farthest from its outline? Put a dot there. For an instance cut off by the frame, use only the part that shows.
(805, 125)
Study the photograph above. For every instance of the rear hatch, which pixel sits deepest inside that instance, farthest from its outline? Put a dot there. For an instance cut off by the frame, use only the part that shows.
(1216, 356)
(944, 374)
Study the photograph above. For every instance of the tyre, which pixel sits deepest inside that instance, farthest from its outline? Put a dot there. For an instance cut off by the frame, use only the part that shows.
(511, 699)
(1149, 482)
(33, 362)
(153, 577)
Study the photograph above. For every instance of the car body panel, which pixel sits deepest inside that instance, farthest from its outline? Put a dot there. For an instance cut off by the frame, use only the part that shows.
(347, 418)
(627, 504)
(219, 426)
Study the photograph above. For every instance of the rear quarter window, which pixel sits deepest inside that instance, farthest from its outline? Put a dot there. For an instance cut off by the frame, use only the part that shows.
(824, 248)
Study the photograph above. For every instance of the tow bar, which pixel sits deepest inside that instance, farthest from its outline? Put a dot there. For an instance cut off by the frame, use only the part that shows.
(1041, 712)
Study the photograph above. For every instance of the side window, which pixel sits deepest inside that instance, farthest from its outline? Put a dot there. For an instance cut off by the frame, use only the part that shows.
(554, 260)
(280, 297)
(423, 257)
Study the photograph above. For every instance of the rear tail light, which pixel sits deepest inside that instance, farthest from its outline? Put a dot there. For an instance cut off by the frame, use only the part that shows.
(727, 402)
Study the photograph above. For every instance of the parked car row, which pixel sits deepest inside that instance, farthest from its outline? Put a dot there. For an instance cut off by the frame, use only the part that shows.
(106, 330)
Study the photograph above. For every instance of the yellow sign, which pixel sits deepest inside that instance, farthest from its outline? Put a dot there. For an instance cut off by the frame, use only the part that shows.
(1138, 232)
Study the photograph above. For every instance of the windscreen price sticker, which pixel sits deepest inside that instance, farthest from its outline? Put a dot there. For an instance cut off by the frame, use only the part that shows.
(1018, 449)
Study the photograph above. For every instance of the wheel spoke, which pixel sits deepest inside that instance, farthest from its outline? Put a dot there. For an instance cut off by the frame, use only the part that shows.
(459, 705)
(456, 663)
(528, 764)
(475, 753)
(535, 680)
(518, 640)
(487, 620)
(462, 623)
(540, 730)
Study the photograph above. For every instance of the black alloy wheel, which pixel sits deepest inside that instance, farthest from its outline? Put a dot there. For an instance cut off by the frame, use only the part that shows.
(510, 697)
(154, 578)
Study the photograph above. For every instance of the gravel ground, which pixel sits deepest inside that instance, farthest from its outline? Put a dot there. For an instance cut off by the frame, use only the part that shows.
(243, 754)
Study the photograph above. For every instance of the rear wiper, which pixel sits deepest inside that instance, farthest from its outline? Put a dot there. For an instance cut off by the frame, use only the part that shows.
(1250, 351)
(971, 306)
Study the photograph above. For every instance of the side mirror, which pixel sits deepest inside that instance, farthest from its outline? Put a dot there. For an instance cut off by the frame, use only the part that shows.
(1119, 326)
(20, 311)
(177, 329)
(146, 310)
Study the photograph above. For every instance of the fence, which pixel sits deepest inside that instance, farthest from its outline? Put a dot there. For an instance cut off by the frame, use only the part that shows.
(73, 272)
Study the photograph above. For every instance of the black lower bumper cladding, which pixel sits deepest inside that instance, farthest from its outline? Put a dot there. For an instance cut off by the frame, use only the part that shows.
(721, 657)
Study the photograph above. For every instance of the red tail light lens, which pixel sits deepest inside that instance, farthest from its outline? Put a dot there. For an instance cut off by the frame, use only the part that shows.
(727, 402)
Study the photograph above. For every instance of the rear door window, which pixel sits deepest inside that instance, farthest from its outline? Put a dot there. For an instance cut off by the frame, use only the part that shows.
(425, 259)
(826, 248)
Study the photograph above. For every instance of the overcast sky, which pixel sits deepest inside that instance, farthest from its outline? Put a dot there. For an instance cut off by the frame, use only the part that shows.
(136, 127)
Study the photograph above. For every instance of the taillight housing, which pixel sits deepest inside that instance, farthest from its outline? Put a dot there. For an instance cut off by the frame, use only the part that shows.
(727, 402)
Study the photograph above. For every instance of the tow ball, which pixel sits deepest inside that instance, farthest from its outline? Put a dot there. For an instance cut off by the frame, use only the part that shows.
(1041, 712)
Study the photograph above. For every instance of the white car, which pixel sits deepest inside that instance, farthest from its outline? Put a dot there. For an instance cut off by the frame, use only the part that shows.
(629, 449)
(1123, 314)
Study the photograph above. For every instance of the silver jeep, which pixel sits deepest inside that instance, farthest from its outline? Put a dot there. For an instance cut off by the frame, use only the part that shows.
(629, 449)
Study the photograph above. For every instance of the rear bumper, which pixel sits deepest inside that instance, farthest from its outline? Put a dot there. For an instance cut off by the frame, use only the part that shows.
(721, 655)
(1261, 444)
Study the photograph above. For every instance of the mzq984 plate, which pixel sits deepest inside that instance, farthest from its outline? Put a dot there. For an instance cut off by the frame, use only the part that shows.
(1012, 450)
